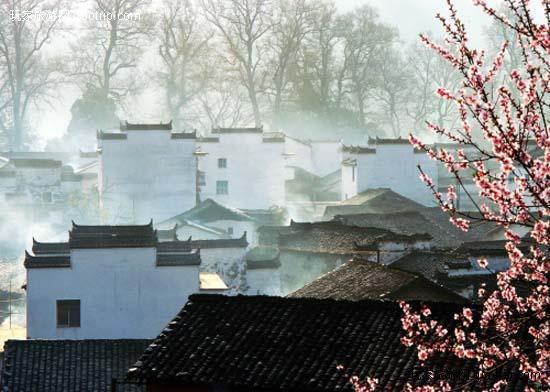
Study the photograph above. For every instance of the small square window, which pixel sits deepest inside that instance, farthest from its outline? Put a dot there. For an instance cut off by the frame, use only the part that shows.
(68, 313)
(222, 163)
(222, 188)
(229, 230)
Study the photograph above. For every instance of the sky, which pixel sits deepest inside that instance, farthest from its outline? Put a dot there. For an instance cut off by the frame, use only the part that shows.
(411, 17)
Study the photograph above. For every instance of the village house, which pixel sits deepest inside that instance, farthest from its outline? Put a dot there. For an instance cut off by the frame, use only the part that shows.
(358, 280)
(229, 222)
(146, 171)
(387, 163)
(309, 250)
(431, 220)
(108, 282)
(44, 189)
(458, 268)
(259, 343)
(243, 168)
(231, 159)
(376, 200)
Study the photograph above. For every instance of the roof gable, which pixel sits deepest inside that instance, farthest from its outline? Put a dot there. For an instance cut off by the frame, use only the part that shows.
(377, 200)
(211, 211)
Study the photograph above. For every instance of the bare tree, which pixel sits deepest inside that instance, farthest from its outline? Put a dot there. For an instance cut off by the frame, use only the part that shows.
(183, 49)
(292, 24)
(364, 39)
(429, 71)
(326, 38)
(108, 53)
(242, 24)
(392, 88)
(223, 104)
(26, 78)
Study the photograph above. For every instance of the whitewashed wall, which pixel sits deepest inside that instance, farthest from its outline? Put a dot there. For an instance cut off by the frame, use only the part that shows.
(264, 281)
(123, 294)
(186, 231)
(239, 227)
(395, 166)
(148, 175)
(255, 171)
(299, 153)
(349, 181)
(326, 156)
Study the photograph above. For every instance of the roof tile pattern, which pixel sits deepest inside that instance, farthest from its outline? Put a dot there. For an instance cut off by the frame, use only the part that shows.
(68, 365)
(292, 344)
(335, 237)
(359, 280)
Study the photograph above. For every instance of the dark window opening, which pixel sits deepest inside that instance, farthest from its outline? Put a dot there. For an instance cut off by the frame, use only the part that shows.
(222, 188)
(222, 163)
(68, 313)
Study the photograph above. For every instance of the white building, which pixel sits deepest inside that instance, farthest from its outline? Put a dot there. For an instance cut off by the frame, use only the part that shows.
(243, 168)
(248, 168)
(108, 282)
(263, 271)
(210, 217)
(389, 163)
(146, 171)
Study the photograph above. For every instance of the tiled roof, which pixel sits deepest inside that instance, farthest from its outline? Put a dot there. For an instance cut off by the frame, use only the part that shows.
(35, 163)
(208, 139)
(221, 243)
(270, 216)
(486, 248)
(49, 247)
(296, 344)
(168, 234)
(426, 263)
(238, 130)
(209, 211)
(175, 246)
(358, 150)
(169, 253)
(179, 259)
(263, 257)
(273, 137)
(358, 280)
(378, 141)
(126, 126)
(47, 261)
(111, 136)
(479, 230)
(377, 200)
(83, 236)
(424, 220)
(184, 135)
(335, 237)
(69, 365)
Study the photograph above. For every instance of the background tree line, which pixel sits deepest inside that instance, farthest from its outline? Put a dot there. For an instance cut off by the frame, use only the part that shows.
(295, 65)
